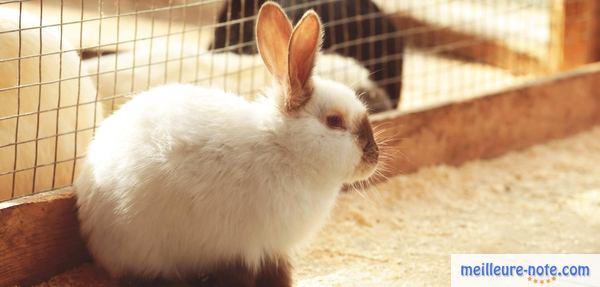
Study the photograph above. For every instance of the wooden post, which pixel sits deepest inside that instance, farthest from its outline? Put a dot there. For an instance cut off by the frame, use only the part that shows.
(39, 238)
(575, 33)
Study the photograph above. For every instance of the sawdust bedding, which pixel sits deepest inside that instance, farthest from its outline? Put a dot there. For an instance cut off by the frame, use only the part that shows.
(401, 233)
(545, 199)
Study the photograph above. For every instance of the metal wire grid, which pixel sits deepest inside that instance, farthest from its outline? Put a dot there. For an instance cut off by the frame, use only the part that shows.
(154, 42)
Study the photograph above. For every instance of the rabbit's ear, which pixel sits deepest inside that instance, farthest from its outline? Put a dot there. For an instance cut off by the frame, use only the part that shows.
(304, 46)
(273, 32)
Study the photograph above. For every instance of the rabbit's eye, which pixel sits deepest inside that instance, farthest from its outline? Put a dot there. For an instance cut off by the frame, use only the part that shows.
(335, 122)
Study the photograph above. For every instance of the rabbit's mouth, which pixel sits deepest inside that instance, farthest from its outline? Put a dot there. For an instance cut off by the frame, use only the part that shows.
(367, 166)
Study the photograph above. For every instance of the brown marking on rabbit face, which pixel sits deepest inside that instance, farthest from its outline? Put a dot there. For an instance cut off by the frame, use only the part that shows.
(335, 119)
(366, 142)
(363, 132)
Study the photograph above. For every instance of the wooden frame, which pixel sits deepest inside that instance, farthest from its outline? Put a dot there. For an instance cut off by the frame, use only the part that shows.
(39, 234)
(575, 38)
(468, 46)
(39, 237)
(486, 127)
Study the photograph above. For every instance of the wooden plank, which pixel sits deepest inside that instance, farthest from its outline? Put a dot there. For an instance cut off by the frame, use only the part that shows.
(575, 37)
(39, 237)
(486, 127)
(453, 43)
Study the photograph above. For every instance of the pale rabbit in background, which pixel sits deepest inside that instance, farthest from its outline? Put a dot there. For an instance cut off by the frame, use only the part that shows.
(60, 114)
(241, 74)
(187, 182)
(366, 38)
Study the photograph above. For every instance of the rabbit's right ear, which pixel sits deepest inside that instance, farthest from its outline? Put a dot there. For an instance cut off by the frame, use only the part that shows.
(273, 33)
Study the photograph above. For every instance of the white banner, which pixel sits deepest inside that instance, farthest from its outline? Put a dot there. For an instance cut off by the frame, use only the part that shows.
(516, 270)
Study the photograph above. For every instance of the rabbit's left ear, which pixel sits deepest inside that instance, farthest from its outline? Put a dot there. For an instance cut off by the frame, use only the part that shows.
(304, 45)
(273, 32)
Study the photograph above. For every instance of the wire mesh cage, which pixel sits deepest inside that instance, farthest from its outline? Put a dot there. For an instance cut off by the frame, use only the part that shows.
(66, 65)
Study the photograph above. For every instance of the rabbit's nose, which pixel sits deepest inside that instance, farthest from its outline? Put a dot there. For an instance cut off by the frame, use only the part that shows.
(367, 142)
(370, 147)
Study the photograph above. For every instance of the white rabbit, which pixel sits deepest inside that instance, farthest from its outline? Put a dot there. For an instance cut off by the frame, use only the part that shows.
(57, 100)
(184, 180)
(244, 75)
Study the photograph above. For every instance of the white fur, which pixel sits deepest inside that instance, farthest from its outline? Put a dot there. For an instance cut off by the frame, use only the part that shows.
(182, 178)
(244, 75)
(46, 98)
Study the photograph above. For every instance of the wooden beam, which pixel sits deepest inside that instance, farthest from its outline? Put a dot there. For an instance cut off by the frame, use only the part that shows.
(453, 43)
(514, 119)
(39, 235)
(575, 35)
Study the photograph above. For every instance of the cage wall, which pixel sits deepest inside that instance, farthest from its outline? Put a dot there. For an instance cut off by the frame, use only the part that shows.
(66, 65)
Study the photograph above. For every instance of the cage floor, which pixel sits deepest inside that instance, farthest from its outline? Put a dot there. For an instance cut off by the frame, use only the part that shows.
(543, 199)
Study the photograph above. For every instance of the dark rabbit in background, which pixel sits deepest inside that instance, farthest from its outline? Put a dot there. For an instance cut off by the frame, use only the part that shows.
(368, 39)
